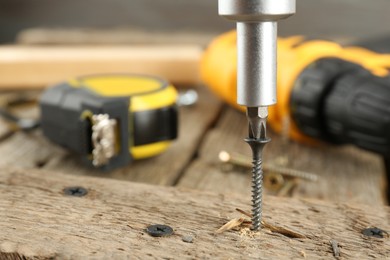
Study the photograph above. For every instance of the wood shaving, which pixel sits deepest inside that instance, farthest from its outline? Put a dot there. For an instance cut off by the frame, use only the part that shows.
(236, 222)
(244, 223)
(280, 230)
(244, 213)
(284, 231)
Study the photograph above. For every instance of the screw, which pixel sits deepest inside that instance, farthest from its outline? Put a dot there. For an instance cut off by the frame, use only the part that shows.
(273, 181)
(75, 191)
(292, 173)
(375, 232)
(242, 161)
(159, 230)
(287, 187)
(234, 159)
(257, 146)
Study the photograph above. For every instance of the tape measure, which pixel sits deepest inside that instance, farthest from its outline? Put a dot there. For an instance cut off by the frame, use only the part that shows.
(111, 120)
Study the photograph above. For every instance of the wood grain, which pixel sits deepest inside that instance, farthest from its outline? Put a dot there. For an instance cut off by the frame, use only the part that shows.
(38, 221)
(346, 173)
(34, 151)
(41, 66)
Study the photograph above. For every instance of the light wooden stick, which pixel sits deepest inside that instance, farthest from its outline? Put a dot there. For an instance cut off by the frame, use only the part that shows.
(38, 67)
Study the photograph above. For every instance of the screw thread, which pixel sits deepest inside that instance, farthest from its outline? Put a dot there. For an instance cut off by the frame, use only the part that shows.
(257, 146)
(257, 193)
(292, 172)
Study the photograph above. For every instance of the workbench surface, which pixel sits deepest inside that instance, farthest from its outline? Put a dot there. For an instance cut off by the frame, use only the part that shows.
(346, 174)
(38, 221)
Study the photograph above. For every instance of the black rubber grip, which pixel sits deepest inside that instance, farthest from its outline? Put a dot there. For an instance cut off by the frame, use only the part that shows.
(309, 93)
(357, 111)
(343, 103)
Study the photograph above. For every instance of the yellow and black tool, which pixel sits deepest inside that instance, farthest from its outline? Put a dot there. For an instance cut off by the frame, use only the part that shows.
(333, 93)
(330, 92)
(111, 120)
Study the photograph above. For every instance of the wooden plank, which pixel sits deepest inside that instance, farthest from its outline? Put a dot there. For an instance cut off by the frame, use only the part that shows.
(40, 66)
(38, 221)
(346, 173)
(93, 36)
(34, 151)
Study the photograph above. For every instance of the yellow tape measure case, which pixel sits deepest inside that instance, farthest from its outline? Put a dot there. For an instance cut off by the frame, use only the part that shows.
(111, 120)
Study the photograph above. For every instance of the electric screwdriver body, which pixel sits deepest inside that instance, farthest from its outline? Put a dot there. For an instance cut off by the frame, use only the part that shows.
(331, 93)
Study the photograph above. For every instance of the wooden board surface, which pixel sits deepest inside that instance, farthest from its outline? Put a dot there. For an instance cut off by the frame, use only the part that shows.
(346, 173)
(38, 221)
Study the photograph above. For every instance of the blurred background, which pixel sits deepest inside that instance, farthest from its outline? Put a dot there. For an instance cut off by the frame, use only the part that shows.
(335, 19)
(167, 38)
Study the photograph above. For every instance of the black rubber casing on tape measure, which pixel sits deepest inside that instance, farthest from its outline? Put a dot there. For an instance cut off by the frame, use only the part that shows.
(62, 122)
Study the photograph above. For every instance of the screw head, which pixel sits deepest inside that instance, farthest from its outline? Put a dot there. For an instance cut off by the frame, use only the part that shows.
(75, 191)
(375, 232)
(159, 230)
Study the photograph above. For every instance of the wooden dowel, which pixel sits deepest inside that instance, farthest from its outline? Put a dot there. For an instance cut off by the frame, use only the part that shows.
(41, 66)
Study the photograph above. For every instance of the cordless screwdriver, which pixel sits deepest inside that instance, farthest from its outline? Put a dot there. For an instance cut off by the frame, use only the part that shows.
(256, 74)
(331, 93)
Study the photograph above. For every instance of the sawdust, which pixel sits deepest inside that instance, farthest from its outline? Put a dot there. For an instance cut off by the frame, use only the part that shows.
(242, 225)
(247, 232)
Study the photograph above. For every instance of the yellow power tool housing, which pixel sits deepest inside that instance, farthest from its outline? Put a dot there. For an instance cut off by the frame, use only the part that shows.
(295, 55)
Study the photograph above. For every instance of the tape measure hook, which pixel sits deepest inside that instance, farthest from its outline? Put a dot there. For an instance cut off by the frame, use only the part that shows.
(103, 139)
